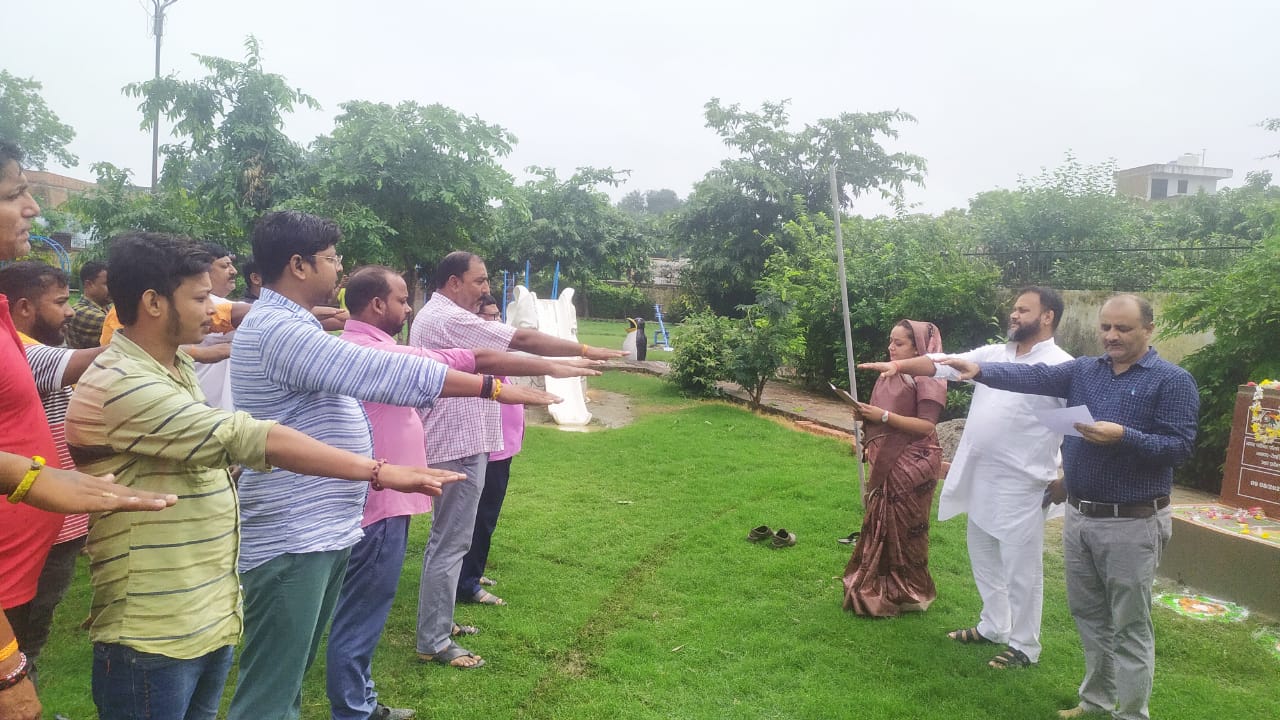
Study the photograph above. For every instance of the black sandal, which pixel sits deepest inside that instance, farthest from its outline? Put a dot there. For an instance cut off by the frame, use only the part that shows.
(1010, 658)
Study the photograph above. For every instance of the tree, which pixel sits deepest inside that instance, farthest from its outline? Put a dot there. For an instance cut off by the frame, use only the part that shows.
(429, 174)
(573, 223)
(1068, 228)
(749, 196)
(650, 202)
(233, 153)
(25, 119)
(1242, 310)
(653, 211)
(117, 206)
(1272, 124)
(763, 340)
(897, 268)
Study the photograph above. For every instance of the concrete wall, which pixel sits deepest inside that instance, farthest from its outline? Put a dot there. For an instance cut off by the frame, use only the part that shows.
(1134, 186)
(1078, 331)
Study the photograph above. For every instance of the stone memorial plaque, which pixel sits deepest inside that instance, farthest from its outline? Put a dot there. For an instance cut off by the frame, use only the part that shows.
(1252, 475)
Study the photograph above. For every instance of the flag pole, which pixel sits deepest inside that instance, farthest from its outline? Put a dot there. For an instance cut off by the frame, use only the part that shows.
(848, 331)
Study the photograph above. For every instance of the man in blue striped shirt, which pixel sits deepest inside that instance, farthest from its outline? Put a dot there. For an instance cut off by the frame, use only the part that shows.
(298, 530)
(1118, 475)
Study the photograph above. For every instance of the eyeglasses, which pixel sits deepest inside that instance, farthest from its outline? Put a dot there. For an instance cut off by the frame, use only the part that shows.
(335, 259)
(490, 316)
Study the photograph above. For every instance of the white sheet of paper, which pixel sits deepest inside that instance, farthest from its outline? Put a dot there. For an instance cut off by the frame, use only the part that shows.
(1063, 420)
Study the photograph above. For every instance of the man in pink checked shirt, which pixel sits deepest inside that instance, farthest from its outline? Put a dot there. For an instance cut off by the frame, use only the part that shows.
(378, 300)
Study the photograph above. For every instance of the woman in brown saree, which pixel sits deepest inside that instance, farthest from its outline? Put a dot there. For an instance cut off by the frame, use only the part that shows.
(889, 571)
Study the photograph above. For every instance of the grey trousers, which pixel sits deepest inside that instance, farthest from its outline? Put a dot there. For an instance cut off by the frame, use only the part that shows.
(453, 520)
(1110, 567)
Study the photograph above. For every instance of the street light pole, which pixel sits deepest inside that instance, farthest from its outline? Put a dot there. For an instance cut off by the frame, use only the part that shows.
(158, 29)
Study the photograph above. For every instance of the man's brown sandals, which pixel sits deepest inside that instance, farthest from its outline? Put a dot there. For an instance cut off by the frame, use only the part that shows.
(1010, 658)
(969, 636)
(454, 656)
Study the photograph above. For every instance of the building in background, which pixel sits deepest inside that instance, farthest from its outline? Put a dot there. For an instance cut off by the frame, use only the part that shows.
(1185, 176)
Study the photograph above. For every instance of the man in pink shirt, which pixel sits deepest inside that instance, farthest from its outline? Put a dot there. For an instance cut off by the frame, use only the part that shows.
(378, 300)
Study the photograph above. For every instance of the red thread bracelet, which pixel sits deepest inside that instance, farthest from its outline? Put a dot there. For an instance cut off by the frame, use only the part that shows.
(18, 674)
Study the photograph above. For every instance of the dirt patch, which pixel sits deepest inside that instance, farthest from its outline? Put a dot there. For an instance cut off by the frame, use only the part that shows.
(608, 410)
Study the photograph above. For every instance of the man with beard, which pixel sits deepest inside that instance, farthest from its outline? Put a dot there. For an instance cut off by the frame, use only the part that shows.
(299, 527)
(212, 353)
(38, 304)
(378, 299)
(85, 328)
(167, 609)
(1005, 464)
(1118, 474)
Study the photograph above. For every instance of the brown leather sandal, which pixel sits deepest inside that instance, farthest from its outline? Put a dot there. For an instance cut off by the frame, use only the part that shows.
(969, 636)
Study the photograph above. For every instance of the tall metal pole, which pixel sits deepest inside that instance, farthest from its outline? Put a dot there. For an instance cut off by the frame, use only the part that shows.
(848, 329)
(158, 28)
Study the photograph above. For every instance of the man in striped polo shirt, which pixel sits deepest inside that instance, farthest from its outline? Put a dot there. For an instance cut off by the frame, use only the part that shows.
(38, 304)
(166, 607)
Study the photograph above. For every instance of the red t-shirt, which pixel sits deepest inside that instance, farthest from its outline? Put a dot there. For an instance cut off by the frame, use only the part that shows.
(26, 534)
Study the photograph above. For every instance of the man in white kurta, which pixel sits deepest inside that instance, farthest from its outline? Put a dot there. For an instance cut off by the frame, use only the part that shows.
(1003, 465)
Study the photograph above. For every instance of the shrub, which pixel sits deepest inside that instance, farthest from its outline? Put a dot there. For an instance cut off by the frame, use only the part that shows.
(1243, 309)
(702, 354)
(612, 302)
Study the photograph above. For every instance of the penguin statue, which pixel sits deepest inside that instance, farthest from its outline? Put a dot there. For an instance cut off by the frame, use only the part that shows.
(629, 345)
(642, 340)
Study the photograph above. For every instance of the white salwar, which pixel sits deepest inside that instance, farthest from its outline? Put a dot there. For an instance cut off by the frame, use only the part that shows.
(1004, 461)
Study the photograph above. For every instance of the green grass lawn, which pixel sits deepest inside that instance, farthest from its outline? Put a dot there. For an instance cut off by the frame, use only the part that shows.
(633, 594)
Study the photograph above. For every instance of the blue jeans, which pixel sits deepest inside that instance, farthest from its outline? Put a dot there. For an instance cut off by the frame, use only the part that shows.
(496, 475)
(368, 591)
(133, 685)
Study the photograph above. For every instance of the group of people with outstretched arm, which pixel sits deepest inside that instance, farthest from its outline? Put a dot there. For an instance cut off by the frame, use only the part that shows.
(1116, 477)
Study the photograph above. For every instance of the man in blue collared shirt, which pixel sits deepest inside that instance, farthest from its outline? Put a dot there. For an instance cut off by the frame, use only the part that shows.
(1118, 476)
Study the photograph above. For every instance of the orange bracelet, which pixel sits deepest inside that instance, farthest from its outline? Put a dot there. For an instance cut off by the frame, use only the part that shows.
(8, 650)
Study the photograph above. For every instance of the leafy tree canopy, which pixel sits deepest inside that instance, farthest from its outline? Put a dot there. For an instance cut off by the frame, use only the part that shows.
(749, 196)
(26, 120)
(233, 151)
(573, 222)
(429, 173)
(1242, 309)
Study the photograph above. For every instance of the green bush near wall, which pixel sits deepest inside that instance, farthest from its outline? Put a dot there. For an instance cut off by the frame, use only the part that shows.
(610, 302)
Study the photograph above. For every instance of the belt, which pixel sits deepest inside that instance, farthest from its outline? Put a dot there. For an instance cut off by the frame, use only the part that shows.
(1092, 509)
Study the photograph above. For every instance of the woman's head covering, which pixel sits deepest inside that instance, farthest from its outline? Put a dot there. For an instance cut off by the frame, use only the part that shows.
(925, 335)
(901, 394)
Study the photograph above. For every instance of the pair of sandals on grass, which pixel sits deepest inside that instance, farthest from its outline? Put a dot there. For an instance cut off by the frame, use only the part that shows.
(453, 652)
(1010, 658)
(780, 539)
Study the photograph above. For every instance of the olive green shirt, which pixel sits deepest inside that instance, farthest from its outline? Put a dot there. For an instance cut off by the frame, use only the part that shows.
(163, 582)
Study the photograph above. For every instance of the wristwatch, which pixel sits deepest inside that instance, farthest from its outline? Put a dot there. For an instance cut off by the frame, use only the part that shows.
(884, 419)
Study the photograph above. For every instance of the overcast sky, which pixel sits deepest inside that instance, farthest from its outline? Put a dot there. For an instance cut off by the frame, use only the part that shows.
(1000, 88)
